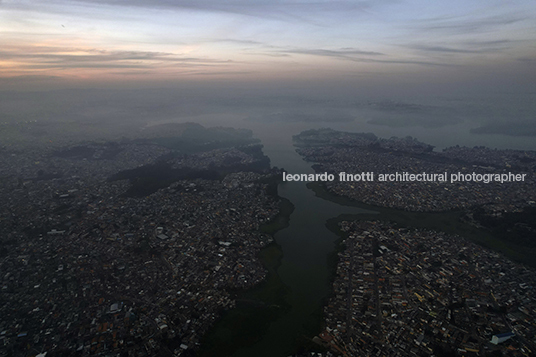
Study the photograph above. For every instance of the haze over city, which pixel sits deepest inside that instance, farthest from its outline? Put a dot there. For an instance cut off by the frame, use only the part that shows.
(145, 155)
(260, 58)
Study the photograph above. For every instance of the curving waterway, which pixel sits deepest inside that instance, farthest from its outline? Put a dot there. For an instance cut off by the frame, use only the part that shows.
(281, 315)
(300, 277)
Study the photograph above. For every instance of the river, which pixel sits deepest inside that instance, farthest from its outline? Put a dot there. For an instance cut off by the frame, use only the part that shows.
(300, 267)
(281, 315)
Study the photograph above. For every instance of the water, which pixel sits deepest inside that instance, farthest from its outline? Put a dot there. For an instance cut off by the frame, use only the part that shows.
(301, 275)
(302, 268)
(305, 244)
(290, 301)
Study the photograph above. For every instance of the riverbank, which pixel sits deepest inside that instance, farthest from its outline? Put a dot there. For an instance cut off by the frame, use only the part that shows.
(257, 307)
(400, 291)
(449, 222)
(304, 269)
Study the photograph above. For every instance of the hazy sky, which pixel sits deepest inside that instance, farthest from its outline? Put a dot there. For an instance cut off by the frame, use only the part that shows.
(54, 42)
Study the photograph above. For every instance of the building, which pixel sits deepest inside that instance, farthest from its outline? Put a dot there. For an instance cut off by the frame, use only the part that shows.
(500, 338)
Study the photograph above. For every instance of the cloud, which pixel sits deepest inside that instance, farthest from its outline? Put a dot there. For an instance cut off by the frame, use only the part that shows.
(33, 57)
(345, 53)
(442, 49)
(355, 55)
(527, 59)
(269, 54)
(487, 43)
(29, 78)
(466, 46)
(466, 25)
(226, 73)
(235, 41)
(277, 9)
(511, 129)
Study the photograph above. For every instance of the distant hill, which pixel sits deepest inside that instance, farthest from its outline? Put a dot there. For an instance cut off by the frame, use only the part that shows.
(192, 137)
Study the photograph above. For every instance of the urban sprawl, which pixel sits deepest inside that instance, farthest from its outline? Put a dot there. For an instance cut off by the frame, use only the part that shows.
(418, 292)
(89, 269)
(401, 292)
(134, 248)
(510, 173)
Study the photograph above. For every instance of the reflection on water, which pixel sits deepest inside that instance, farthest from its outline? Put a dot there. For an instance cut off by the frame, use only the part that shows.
(303, 275)
(303, 270)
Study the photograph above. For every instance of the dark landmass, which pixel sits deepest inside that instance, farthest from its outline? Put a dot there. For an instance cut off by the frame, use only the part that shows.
(397, 107)
(327, 136)
(90, 151)
(519, 225)
(495, 206)
(516, 226)
(402, 292)
(191, 137)
(415, 291)
(150, 178)
(255, 308)
(209, 165)
(517, 129)
(451, 222)
(335, 152)
(130, 247)
(302, 118)
(400, 114)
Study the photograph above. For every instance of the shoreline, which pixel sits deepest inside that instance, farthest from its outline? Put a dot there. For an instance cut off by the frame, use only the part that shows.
(263, 301)
(447, 221)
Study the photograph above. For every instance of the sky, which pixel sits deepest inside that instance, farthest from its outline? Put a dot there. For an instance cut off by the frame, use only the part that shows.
(372, 44)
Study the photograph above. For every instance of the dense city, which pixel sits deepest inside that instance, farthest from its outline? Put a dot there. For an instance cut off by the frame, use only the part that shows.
(335, 152)
(136, 247)
(403, 292)
(91, 265)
